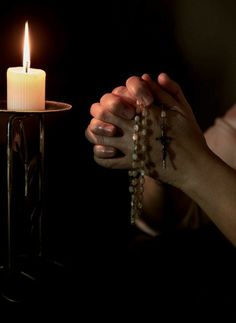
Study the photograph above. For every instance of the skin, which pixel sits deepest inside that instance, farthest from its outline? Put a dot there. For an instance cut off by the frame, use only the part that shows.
(192, 168)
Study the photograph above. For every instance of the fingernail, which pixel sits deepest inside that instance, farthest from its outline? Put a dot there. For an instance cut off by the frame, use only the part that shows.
(106, 149)
(105, 130)
(146, 77)
(108, 129)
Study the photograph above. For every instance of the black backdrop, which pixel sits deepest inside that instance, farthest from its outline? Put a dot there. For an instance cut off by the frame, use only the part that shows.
(86, 49)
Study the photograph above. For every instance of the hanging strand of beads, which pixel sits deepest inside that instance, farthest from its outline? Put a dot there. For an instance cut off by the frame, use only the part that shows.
(137, 172)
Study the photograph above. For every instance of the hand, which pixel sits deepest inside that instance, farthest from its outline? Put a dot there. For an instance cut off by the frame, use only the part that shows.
(189, 160)
(116, 111)
(111, 128)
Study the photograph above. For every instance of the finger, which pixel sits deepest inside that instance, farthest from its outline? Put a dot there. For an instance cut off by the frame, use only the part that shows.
(100, 113)
(123, 92)
(138, 88)
(117, 106)
(95, 139)
(120, 143)
(103, 114)
(104, 151)
(160, 95)
(101, 128)
(167, 99)
(114, 163)
(172, 87)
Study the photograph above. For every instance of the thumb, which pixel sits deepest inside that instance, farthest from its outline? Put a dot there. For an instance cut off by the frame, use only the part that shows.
(172, 88)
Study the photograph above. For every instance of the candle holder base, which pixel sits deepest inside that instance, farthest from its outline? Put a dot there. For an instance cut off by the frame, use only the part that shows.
(33, 281)
(17, 287)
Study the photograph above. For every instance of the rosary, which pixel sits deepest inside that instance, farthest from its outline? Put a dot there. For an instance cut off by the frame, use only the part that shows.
(139, 157)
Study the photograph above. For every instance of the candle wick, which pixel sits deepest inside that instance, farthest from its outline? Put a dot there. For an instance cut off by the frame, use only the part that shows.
(27, 67)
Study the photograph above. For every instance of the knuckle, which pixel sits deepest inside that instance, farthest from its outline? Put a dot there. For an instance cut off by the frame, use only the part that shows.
(94, 109)
(105, 98)
(131, 79)
(95, 126)
(89, 136)
(111, 102)
(99, 112)
(119, 90)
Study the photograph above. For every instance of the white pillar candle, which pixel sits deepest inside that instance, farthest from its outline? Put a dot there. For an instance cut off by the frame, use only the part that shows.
(25, 85)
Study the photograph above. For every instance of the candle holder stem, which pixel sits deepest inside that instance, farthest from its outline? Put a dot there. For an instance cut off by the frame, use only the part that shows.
(25, 221)
(41, 180)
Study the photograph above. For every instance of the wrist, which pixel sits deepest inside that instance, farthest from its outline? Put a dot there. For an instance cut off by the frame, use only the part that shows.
(201, 178)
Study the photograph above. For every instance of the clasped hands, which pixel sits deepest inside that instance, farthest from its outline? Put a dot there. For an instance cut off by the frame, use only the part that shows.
(110, 129)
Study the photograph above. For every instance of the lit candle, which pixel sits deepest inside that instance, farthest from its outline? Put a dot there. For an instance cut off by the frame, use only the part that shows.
(25, 85)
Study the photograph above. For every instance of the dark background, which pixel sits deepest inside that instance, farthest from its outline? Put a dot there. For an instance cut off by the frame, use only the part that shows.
(87, 48)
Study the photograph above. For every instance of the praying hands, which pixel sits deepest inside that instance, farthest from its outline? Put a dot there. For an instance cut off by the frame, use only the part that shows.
(191, 168)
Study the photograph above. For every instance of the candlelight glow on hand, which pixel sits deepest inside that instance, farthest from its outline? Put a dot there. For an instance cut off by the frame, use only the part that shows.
(25, 85)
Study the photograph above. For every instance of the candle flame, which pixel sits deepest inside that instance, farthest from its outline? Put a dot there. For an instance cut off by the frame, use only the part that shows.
(26, 55)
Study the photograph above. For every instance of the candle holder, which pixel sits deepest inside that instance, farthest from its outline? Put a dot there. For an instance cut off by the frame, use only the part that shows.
(33, 182)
